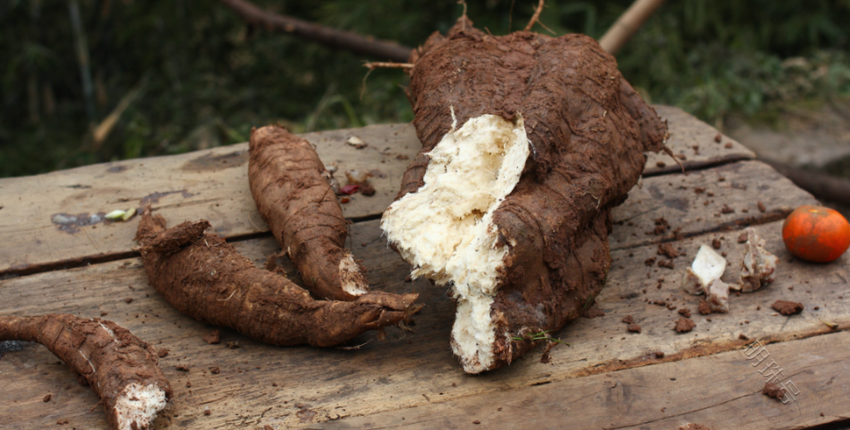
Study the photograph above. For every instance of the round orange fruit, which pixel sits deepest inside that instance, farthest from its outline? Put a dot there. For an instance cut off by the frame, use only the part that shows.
(816, 234)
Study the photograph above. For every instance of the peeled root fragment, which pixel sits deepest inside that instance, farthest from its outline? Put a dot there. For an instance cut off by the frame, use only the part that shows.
(204, 277)
(758, 267)
(707, 267)
(528, 142)
(290, 186)
(119, 367)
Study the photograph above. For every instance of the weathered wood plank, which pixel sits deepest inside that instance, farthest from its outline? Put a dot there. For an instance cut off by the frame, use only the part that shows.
(705, 200)
(695, 140)
(407, 370)
(721, 392)
(213, 184)
(209, 184)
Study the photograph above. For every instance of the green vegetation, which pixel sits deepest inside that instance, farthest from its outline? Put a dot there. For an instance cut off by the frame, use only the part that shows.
(204, 78)
(541, 335)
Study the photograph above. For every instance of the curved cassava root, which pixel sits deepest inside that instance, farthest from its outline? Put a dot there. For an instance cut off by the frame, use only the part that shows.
(204, 277)
(528, 142)
(120, 368)
(290, 187)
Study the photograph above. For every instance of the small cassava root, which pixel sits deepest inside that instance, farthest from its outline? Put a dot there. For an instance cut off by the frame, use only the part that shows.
(528, 142)
(121, 368)
(204, 277)
(290, 187)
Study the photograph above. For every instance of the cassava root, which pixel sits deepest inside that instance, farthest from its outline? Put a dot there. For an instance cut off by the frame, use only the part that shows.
(119, 367)
(204, 277)
(290, 186)
(528, 141)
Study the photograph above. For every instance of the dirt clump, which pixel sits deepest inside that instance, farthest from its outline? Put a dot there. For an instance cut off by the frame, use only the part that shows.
(786, 307)
(684, 325)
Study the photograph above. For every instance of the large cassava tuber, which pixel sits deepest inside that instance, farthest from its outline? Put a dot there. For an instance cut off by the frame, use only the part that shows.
(119, 367)
(528, 142)
(290, 187)
(204, 277)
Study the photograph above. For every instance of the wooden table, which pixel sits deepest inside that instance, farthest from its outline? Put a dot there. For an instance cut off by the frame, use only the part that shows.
(607, 378)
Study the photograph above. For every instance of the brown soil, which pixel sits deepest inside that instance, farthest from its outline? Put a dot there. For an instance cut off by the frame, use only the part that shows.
(634, 328)
(772, 390)
(588, 129)
(628, 319)
(704, 308)
(667, 250)
(785, 307)
(684, 325)
(685, 312)
(213, 338)
(84, 345)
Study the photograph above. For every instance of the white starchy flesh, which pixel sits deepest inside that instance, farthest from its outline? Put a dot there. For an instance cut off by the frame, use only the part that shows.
(758, 266)
(717, 296)
(352, 280)
(708, 265)
(445, 229)
(138, 404)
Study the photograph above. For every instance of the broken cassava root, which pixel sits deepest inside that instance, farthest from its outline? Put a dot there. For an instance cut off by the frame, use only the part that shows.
(290, 187)
(204, 277)
(528, 142)
(120, 368)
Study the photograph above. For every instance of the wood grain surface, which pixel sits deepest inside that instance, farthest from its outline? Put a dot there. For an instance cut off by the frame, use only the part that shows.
(213, 184)
(607, 377)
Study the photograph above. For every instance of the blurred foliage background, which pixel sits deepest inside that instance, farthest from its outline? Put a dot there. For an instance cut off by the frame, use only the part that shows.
(193, 75)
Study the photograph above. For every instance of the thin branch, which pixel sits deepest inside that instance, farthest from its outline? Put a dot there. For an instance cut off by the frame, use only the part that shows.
(333, 38)
(628, 24)
(825, 187)
(382, 65)
(535, 17)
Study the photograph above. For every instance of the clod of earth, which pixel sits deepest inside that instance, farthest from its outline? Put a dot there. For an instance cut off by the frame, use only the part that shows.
(528, 142)
(121, 368)
(290, 187)
(684, 325)
(204, 277)
(786, 307)
(772, 390)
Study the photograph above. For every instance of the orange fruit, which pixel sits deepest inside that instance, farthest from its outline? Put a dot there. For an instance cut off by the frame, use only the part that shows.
(816, 234)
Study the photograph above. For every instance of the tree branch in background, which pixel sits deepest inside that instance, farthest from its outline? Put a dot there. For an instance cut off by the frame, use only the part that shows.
(824, 187)
(330, 37)
(534, 17)
(628, 24)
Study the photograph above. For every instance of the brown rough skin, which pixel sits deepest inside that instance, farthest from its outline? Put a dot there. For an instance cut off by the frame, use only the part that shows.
(293, 196)
(588, 130)
(204, 277)
(85, 346)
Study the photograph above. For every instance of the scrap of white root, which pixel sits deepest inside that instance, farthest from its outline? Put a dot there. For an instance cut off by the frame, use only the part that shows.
(758, 267)
(717, 296)
(138, 405)
(708, 265)
(356, 142)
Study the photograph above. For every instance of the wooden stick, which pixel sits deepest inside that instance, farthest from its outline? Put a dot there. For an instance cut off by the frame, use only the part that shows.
(385, 65)
(333, 38)
(628, 24)
(824, 187)
(535, 17)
